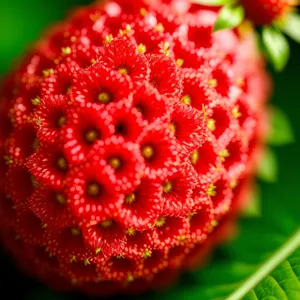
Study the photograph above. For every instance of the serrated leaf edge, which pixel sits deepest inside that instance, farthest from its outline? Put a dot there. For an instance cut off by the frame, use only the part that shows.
(292, 244)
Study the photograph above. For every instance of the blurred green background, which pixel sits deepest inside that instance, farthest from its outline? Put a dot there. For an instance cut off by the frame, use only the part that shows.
(21, 23)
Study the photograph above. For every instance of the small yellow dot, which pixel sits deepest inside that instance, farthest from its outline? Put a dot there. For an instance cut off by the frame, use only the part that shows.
(61, 121)
(36, 101)
(148, 152)
(147, 253)
(186, 100)
(172, 127)
(62, 163)
(179, 62)
(160, 222)
(141, 48)
(194, 157)
(115, 162)
(93, 189)
(159, 28)
(66, 51)
(130, 198)
(224, 154)
(123, 71)
(211, 191)
(61, 199)
(108, 39)
(211, 124)
(106, 224)
(130, 231)
(75, 231)
(143, 12)
(91, 136)
(236, 113)
(167, 187)
(213, 83)
(104, 98)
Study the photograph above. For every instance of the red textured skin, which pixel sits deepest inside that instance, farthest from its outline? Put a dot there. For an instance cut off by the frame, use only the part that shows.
(265, 12)
(77, 116)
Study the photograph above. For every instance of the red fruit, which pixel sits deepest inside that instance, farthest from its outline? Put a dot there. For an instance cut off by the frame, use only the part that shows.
(126, 136)
(265, 12)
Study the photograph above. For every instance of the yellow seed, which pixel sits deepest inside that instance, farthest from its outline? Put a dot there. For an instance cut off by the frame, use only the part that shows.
(148, 152)
(141, 48)
(186, 100)
(62, 163)
(104, 98)
(211, 191)
(66, 51)
(235, 112)
(61, 199)
(194, 157)
(115, 162)
(233, 184)
(130, 278)
(147, 253)
(211, 124)
(130, 198)
(108, 39)
(214, 223)
(181, 237)
(36, 101)
(75, 231)
(159, 28)
(130, 231)
(93, 189)
(61, 121)
(172, 127)
(87, 262)
(224, 154)
(123, 71)
(190, 216)
(143, 12)
(98, 250)
(34, 182)
(160, 222)
(213, 83)
(91, 136)
(48, 72)
(179, 62)
(167, 187)
(106, 224)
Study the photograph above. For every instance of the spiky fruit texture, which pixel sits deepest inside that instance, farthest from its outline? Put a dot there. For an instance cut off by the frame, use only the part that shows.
(128, 133)
(265, 12)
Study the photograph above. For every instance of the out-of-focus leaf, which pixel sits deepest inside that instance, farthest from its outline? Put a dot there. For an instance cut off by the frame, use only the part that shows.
(281, 131)
(268, 168)
(229, 17)
(277, 47)
(254, 207)
(291, 26)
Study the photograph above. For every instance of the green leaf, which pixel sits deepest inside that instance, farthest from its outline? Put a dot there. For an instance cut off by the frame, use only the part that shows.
(291, 26)
(254, 207)
(277, 47)
(213, 2)
(281, 131)
(229, 17)
(268, 168)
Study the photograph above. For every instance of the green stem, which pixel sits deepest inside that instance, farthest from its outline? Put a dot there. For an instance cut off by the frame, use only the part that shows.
(279, 256)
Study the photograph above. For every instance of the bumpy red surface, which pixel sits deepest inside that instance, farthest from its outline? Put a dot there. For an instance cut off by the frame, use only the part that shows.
(265, 12)
(128, 134)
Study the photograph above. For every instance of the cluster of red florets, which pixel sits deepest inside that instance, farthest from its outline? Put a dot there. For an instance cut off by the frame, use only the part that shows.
(265, 12)
(127, 135)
